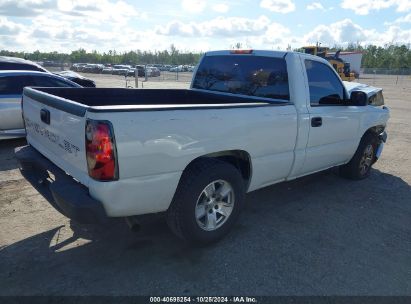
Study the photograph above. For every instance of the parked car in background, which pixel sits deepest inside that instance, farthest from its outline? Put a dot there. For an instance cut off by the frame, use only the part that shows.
(93, 68)
(11, 90)
(179, 68)
(107, 70)
(14, 63)
(164, 67)
(77, 67)
(51, 63)
(77, 78)
(141, 70)
(149, 72)
(121, 69)
(155, 72)
(131, 72)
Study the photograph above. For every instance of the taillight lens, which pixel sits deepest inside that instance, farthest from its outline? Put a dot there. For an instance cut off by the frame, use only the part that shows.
(101, 151)
(241, 52)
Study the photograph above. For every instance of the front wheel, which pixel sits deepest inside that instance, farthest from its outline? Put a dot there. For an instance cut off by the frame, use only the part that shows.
(359, 166)
(207, 202)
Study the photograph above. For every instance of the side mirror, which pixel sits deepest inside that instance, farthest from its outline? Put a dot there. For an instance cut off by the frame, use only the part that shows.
(358, 98)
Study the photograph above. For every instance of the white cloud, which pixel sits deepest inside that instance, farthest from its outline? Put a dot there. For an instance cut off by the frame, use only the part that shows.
(364, 7)
(403, 19)
(255, 33)
(8, 28)
(95, 11)
(178, 28)
(278, 6)
(193, 6)
(25, 8)
(315, 6)
(276, 34)
(341, 32)
(394, 34)
(221, 8)
(71, 24)
(403, 5)
(107, 24)
(346, 31)
(101, 11)
(220, 26)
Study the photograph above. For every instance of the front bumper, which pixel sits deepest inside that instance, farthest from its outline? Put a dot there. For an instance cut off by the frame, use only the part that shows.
(63, 192)
(382, 138)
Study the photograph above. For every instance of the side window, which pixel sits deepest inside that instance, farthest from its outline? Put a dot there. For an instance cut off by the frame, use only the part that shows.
(325, 87)
(44, 81)
(13, 85)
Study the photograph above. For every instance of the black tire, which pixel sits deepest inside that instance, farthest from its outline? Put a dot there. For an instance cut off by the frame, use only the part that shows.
(181, 216)
(354, 168)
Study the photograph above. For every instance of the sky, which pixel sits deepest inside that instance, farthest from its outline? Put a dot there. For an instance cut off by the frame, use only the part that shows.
(199, 25)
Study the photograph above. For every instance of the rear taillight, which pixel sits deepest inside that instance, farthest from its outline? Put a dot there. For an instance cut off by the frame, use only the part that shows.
(101, 151)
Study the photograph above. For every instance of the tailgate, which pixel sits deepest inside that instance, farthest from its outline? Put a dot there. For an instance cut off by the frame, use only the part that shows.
(56, 128)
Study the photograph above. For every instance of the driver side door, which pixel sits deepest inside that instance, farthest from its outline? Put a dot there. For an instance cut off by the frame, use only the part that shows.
(334, 126)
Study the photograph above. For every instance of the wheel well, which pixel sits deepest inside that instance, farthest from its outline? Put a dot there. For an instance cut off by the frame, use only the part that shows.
(376, 130)
(238, 158)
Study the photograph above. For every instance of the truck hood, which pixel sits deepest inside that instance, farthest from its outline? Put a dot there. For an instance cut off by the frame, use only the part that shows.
(355, 86)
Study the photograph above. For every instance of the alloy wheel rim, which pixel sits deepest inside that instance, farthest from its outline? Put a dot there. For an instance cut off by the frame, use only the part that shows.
(214, 205)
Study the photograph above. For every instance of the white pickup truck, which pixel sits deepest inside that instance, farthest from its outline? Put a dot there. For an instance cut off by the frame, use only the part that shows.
(249, 120)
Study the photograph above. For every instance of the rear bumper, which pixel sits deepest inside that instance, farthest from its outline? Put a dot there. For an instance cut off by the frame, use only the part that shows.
(64, 193)
(9, 134)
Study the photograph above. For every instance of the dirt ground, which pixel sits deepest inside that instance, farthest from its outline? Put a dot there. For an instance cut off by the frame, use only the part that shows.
(319, 235)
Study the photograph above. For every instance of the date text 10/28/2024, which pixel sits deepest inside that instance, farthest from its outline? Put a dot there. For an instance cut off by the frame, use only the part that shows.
(203, 300)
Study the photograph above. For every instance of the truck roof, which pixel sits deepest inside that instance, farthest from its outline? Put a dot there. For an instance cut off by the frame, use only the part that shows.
(266, 53)
(251, 52)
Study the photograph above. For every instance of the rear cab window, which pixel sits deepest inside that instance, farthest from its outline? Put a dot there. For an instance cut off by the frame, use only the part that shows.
(258, 76)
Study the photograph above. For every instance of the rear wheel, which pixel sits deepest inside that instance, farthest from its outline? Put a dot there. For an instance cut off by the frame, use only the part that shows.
(207, 202)
(360, 165)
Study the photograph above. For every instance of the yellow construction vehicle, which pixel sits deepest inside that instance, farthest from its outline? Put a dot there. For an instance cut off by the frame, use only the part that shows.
(343, 68)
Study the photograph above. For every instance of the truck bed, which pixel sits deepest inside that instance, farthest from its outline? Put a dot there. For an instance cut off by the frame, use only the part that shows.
(112, 99)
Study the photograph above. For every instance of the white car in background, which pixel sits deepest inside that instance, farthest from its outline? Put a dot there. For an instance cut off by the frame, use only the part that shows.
(11, 90)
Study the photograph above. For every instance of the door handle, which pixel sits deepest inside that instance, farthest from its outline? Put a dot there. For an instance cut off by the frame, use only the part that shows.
(45, 116)
(316, 122)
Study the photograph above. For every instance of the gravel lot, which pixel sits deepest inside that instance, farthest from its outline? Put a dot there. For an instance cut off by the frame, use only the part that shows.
(320, 235)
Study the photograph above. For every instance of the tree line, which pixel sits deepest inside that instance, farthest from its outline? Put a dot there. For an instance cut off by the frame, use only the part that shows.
(390, 56)
(172, 56)
(386, 57)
